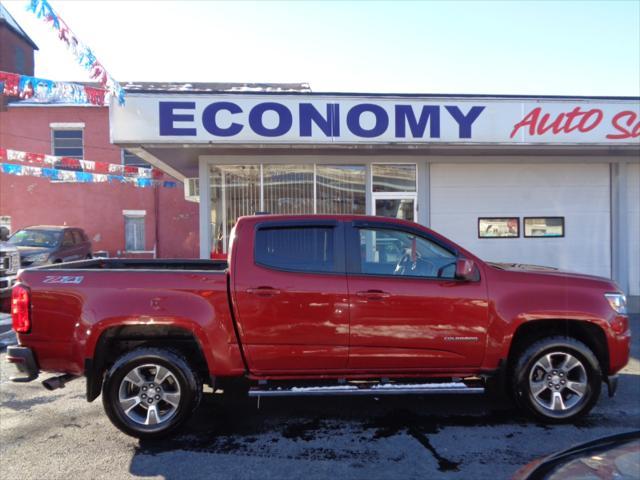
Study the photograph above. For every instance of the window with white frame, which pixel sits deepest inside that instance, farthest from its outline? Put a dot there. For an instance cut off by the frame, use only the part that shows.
(131, 159)
(134, 238)
(67, 142)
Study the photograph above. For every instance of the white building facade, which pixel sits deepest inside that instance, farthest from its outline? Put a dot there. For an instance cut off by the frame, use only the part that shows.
(543, 180)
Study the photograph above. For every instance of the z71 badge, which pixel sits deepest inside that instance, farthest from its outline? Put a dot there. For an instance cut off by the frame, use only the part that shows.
(63, 279)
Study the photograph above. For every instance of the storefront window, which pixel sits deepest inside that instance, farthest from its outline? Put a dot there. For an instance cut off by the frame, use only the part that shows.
(340, 189)
(238, 190)
(403, 208)
(235, 191)
(544, 227)
(288, 189)
(394, 178)
(493, 227)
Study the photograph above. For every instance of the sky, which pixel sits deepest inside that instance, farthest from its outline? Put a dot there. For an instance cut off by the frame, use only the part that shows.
(471, 47)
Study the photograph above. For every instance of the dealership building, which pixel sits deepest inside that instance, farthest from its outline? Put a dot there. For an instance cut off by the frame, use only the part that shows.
(542, 180)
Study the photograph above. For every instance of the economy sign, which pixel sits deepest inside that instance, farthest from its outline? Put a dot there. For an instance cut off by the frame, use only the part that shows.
(320, 119)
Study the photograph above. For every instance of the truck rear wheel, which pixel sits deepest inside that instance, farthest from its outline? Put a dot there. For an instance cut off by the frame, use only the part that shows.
(557, 379)
(150, 392)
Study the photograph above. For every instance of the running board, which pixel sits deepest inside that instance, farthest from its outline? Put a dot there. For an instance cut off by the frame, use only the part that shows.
(378, 389)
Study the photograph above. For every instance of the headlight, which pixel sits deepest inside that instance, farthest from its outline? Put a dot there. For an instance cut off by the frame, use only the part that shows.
(40, 257)
(618, 302)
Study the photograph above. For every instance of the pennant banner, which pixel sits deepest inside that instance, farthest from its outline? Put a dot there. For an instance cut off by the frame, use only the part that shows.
(49, 91)
(83, 54)
(80, 177)
(52, 161)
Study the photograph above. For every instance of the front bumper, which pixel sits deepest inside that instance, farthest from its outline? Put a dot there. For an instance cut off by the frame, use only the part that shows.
(25, 362)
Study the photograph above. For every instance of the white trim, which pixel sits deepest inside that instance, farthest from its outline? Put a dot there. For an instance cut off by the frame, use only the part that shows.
(134, 213)
(619, 228)
(66, 125)
(315, 188)
(261, 187)
(204, 211)
(424, 197)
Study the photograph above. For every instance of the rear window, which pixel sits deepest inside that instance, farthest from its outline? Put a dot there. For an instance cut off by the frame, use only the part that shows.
(77, 237)
(306, 249)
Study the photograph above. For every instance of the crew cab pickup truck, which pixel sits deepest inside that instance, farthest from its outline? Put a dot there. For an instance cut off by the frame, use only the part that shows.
(313, 305)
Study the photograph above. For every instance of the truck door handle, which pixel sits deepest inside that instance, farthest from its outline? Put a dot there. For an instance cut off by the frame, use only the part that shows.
(263, 291)
(373, 294)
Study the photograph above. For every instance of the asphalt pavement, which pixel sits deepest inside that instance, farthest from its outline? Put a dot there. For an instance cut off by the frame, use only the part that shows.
(56, 435)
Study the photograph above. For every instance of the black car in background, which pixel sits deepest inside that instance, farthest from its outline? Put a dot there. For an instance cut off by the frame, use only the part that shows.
(42, 245)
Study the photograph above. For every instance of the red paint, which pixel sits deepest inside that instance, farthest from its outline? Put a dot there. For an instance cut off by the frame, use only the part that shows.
(306, 325)
(536, 122)
(16, 53)
(539, 123)
(623, 122)
(171, 222)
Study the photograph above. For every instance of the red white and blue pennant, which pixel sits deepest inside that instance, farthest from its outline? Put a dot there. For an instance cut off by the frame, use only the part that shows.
(69, 169)
(83, 54)
(48, 91)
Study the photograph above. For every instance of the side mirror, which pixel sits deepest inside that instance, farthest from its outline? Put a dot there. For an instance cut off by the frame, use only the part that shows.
(467, 270)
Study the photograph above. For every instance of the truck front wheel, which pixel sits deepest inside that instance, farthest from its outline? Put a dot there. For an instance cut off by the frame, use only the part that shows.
(150, 392)
(557, 379)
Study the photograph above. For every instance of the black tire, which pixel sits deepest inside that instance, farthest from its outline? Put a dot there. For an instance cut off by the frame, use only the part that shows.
(182, 381)
(530, 365)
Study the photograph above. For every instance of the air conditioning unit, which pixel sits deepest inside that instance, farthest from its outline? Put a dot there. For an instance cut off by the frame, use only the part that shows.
(192, 189)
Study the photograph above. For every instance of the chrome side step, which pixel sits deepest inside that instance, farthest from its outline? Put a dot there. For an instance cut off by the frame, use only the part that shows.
(377, 389)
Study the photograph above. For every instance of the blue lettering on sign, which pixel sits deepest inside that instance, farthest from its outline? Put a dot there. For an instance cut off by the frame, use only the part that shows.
(353, 120)
(209, 119)
(405, 114)
(329, 124)
(167, 117)
(285, 119)
(178, 119)
(464, 121)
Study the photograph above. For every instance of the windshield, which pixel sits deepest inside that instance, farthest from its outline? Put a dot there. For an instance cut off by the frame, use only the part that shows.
(35, 238)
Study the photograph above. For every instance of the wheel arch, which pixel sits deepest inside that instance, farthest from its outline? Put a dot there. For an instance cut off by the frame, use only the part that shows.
(116, 340)
(589, 333)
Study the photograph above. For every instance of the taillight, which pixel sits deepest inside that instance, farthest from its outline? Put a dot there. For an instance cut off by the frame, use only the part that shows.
(20, 309)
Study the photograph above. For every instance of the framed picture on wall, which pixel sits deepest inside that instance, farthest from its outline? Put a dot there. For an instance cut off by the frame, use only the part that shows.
(535, 227)
(498, 227)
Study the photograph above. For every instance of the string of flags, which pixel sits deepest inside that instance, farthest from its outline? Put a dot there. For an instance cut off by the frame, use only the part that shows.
(83, 54)
(49, 91)
(78, 170)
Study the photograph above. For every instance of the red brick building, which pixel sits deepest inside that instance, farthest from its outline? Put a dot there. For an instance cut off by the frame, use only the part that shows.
(121, 219)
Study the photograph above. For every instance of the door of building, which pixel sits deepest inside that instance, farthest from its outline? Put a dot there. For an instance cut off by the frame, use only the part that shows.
(394, 191)
(396, 205)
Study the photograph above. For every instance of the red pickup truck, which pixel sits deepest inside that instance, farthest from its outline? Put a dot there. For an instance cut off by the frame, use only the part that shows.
(319, 305)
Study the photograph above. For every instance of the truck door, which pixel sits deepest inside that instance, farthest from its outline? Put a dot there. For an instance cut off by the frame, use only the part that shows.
(407, 309)
(290, 295)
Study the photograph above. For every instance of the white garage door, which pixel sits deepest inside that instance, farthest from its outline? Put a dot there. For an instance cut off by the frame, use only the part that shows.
(461, 193)
(633, 222)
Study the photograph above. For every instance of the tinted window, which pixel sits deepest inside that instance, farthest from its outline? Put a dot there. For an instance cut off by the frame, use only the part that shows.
(68, 143)
(67, 240)
(77, 238)
(298, 248)
(35, 238)
(395, 252)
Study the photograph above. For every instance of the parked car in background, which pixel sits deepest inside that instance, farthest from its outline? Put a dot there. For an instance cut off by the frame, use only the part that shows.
(42, 245)
(9, 265)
